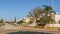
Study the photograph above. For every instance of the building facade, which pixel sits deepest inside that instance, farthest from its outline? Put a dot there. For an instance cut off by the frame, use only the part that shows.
(57, 18)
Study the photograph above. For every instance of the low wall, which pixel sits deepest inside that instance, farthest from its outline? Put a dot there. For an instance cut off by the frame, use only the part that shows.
(55, 26)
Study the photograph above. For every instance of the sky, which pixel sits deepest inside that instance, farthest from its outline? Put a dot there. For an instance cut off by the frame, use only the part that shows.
(20, 8)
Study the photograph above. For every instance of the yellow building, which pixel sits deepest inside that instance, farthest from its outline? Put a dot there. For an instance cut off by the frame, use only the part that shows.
(27, 19)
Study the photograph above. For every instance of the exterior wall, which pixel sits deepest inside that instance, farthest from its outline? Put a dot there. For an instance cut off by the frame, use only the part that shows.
(57, 18)
(26, 19)
(53, 25)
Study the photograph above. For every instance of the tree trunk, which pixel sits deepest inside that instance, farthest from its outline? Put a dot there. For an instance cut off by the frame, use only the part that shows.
(34, 22)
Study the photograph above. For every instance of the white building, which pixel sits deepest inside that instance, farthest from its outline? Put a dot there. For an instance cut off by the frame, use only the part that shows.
(57, 18)
(56, 24)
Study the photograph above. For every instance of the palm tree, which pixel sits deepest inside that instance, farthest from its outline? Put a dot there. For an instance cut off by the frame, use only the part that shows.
(52, 15)
(52, 11)
(47, 10)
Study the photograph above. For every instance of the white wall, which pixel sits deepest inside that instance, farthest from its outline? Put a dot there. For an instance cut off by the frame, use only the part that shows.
(53, 25)
(57, 18)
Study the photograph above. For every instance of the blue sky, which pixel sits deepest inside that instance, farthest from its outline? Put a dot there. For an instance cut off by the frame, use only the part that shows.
(20, 8)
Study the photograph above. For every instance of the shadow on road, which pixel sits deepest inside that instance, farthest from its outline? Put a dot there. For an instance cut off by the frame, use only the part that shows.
(27, 32)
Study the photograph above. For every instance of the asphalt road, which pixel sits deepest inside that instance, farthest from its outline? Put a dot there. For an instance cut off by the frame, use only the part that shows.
(16, 30)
